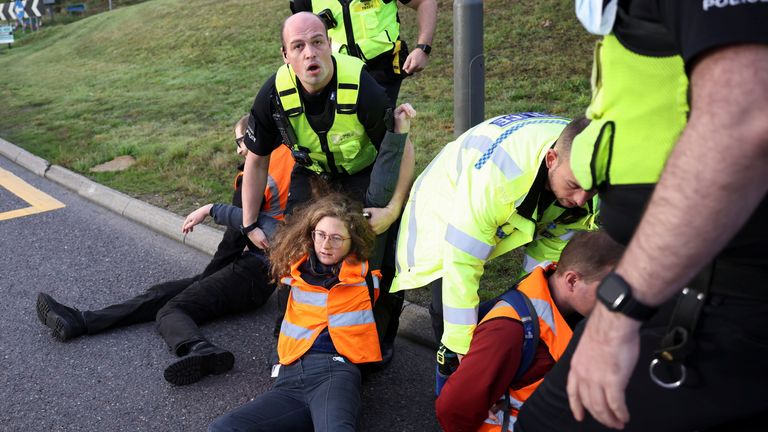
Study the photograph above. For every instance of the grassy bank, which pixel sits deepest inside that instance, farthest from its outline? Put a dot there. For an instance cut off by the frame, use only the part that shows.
(164, 81)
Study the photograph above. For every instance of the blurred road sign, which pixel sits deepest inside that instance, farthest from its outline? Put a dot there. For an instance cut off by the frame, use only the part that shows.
(8, 10)
(31, 8)
(6, 34)
(5, 12)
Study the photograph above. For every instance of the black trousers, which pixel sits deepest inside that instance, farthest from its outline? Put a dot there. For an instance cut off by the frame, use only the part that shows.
(180, 306)
(727, 382)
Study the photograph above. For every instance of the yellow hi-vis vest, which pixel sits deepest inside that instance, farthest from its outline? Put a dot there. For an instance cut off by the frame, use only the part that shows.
(633, 128)
(554, 332)
(375, 27)
(346, 147)
(464, 210)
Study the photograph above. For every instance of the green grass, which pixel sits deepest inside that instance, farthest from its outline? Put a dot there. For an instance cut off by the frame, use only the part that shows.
(165, 80)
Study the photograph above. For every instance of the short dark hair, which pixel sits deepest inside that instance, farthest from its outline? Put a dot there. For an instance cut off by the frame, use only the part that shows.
(564, 142)
(591, 253)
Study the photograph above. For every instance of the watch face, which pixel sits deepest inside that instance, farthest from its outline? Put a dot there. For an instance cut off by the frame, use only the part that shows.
(612, 293)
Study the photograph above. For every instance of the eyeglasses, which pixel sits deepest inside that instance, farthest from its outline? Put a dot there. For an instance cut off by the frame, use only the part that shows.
(239, 141)
(335, 240)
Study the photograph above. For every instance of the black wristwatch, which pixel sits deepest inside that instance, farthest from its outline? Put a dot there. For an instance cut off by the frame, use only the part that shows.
(616, 294)
(249, 228)
(425, 47)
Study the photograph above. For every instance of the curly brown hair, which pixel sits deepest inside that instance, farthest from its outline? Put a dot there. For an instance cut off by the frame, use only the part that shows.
(293, 238)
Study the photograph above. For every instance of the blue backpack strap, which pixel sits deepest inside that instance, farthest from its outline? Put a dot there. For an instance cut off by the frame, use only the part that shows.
(522, 304)
(530, 320)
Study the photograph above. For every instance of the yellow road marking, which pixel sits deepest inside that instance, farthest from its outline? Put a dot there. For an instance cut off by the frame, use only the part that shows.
(38, 200)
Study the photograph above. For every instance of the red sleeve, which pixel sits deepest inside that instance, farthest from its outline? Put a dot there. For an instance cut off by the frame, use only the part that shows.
(482, 377)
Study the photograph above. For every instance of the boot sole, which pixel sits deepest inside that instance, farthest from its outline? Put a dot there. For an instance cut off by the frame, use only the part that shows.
(51, 320)
(193, 368)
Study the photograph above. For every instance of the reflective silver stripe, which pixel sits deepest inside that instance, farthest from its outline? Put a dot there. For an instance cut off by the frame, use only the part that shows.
(567, 236)
(287, 281)
(294, 331)
(476, 142)
(544, 311)
(310, 298)
(500, 416)
(530, 263)
(410, 257)
(364, 269)
(467, 243)
(515, 403)
(505, 163)
(274, 201)
(460, 316)
(351, 318)
(359, 284)
(376, 282)
(500, 304)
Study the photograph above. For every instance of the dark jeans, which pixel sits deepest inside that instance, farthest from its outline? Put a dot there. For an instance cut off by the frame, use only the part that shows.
(318, 392)
(180, 306)
(727, 378)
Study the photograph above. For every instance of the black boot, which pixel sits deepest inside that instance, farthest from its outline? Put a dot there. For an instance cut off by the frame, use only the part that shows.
(203, 359)
(66, 322)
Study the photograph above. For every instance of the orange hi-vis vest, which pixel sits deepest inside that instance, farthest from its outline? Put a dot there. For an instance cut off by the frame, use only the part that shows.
(346, 309)
(553, 331)
(278, 182)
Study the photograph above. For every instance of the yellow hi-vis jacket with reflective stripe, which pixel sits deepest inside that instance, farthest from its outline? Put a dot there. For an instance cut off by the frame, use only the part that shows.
(375, 27)
(554, 332)
(464, 210)
(346, 147)
(346, 309)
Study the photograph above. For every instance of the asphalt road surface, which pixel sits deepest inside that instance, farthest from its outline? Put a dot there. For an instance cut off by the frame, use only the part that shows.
(88, 257)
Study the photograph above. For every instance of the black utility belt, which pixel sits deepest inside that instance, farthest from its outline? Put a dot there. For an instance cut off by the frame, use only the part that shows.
(733, 280)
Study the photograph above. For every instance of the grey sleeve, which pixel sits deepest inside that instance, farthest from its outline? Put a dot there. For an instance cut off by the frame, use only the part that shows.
(386, 170)
(231, 216)
(227, 215)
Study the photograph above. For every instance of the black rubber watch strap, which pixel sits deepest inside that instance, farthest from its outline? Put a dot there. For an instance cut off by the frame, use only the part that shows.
(425, 47)
(249, 228)
(616, 294)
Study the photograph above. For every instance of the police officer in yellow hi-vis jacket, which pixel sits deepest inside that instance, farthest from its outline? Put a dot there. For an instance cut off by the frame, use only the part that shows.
(501, 185)
(370, 31)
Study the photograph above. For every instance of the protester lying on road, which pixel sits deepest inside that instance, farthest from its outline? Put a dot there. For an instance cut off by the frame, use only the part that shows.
(236, 280)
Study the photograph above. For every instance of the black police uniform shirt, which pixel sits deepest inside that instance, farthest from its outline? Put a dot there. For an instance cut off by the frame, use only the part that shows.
(694, 28)
(373, 111)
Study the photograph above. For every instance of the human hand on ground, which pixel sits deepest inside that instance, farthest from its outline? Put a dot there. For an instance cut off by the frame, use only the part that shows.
(601, 366)
(195, 218)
